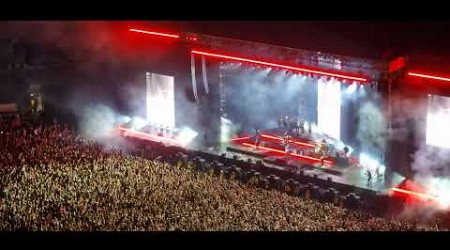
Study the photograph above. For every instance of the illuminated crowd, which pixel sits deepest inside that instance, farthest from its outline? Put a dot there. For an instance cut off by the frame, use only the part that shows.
(51, 179)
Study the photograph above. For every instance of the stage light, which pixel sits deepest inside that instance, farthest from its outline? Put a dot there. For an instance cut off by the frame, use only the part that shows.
(412, 193)
(241, 138)
(368, 162)
(125, 119)
(138, 123)
(291, 141)
(427, 76)
(156, 33)
(185, 136)
(287, 67)
(351, 89)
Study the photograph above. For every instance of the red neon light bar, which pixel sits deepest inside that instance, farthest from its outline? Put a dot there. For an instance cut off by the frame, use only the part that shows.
(429, 76)
(284, 152)
(234, 58)
(265, 148)
(147, 136)
(424, 196)
(241, 138)
(296, 142)
(156, 33)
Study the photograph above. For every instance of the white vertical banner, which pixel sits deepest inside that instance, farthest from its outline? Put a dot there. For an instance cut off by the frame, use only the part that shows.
(205, 80)
(329, 107)
(194, 82)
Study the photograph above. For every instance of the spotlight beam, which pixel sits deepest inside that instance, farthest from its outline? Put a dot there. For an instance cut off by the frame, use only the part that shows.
(276, 65)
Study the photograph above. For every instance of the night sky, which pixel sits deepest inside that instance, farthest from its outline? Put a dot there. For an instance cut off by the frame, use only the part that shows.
(362, 39)
(423, 41)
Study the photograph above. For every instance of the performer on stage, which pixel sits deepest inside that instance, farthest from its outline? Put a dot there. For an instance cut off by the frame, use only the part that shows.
(280, 122)
(346, 150)
(369, 176)
(296, 127)
(257, 137)
(286, 145)
(286, 123)
(301, 125)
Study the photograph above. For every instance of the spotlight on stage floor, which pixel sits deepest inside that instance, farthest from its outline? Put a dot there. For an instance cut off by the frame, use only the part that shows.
(371, 164)
(137, 123)
(185, 136)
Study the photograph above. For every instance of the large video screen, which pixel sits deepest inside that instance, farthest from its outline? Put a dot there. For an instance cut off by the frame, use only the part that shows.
(160, 99)
(329, 107)
(438, 121)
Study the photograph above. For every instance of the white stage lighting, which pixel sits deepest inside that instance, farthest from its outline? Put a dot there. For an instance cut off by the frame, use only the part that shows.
(351, 89)
(185, 136)
(137, 123)
(370, 163)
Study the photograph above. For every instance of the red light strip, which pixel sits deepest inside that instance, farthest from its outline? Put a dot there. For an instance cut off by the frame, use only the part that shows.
(280, 66)
(429, 76)
(296, 142)
(311, 158)
(269, 149)
(156, 33)
(291, 154)
(241, 138)
(426, 196)
(148, 136)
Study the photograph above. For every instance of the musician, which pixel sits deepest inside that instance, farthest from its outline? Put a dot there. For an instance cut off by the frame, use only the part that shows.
(280, 122)
(369, 176)
(257, 138)
(286, 123)
(286, 143)
(287, 148)
(346, 150)
(301, 125)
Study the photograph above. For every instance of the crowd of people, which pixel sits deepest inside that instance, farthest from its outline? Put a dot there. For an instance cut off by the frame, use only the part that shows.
(51, 179)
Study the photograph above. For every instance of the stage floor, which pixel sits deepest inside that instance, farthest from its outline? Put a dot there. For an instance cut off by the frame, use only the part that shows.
(353, 175)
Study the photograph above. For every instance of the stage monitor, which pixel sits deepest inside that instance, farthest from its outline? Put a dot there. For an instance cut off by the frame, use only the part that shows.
(438, 121)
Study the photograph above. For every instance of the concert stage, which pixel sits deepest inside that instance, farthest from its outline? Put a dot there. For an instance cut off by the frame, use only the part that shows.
(303, 158)
(303, 150)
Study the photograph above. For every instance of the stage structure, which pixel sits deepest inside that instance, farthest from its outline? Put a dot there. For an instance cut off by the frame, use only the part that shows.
(300, 107)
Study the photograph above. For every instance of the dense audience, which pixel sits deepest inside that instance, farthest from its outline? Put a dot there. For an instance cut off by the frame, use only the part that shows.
(52, 180)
